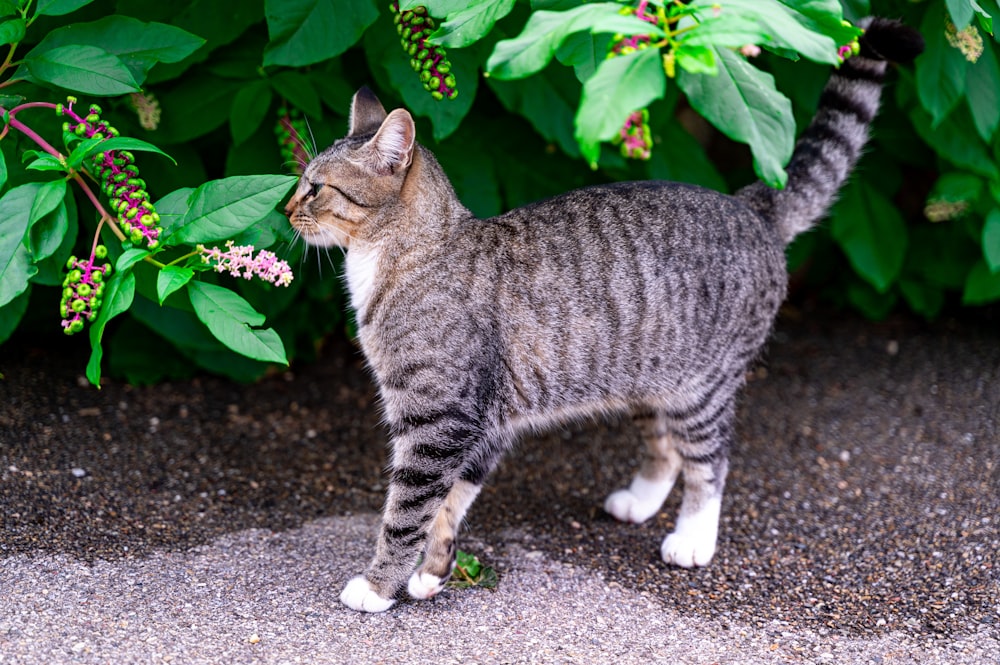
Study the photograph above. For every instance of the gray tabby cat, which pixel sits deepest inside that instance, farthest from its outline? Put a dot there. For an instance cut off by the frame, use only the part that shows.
(650, 298)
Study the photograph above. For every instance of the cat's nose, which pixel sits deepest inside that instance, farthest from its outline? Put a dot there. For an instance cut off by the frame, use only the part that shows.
(289, 209)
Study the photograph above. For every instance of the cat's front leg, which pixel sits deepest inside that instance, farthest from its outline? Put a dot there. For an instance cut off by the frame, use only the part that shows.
(428, 455)
(439, 555)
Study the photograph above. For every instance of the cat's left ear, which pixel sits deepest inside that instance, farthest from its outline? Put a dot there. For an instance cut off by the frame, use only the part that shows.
(392, 146)
(367, 113)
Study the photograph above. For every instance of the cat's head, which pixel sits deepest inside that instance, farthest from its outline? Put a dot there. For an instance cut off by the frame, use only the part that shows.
(345, 189)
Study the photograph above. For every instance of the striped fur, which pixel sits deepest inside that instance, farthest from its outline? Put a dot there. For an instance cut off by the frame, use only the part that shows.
(650, 298)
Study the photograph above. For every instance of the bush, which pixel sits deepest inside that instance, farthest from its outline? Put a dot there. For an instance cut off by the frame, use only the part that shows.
(219, 104)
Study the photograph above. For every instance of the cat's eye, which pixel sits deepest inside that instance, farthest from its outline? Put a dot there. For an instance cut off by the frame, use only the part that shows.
(314, 191)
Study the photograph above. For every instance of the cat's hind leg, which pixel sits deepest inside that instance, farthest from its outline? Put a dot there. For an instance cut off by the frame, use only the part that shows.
(704, 450)
(657, 475)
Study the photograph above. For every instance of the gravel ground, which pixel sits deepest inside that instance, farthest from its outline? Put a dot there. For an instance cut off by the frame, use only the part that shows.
(207, 522)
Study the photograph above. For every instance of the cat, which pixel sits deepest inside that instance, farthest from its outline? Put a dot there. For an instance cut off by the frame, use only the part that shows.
(647, 298)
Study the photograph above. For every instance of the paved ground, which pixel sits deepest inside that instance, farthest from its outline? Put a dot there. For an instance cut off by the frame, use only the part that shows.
(205, 522)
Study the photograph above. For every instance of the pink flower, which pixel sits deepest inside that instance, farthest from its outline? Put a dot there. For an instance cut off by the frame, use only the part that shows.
(239, 261)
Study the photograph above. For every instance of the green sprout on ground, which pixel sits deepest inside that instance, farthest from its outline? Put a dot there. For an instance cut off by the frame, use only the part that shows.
(470, 572)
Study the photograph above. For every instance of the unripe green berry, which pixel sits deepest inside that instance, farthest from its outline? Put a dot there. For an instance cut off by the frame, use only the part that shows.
(74, 276)
(78, 305)
(100, 251)
(84, 290)
(75, 327)
(436, 95)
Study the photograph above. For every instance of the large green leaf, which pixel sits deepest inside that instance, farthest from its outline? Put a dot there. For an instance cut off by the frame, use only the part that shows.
(439, 8)
(47, 233)
(620, 86)
(304, 32)
(811, 29)
(222, 208)
(12, 31)
(118, 295)
(983, 93)
(170, 279)
(991, 240)
(548, 100)
(961, 12)
(139, 45)
(872, 233)
(956, 140)
(250, 107)
(471, 23)
(15, 260)
(744, 104)
(59, 7)
(12, 313)
(982, 285)
(545, 31)
(941, 70)
(87, 69)
(232, 320)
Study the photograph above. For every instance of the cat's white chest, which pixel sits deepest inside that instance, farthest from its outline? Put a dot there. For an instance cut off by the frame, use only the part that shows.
(361, 268)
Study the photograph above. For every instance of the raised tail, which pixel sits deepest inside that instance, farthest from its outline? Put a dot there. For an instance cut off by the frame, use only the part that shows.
(831, 145)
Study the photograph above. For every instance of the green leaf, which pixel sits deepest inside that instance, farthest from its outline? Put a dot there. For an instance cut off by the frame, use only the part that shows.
(172, 209)
(170, 279)
(811, 28)
(3, 170)
(139, 45)
(941, 70)
(64, 221)
(229, 317)
(297, 89)
(48, 196)
(250, 107)
(118, 295)
(545, 31)
(439, 8)
(991, 240)
(59, 7)
(872, 233)
(470, 24)
(46, 235)
(129, 258)
(304, 32)
(15, 260)
(958, 187)
(548, 100)
(87, 69)
(620, 86)
(744, 104)
(983, 92)
(961, 12)
(584, 52)
(956, 140)
(46, 162)
(12, 31)
(982, 285)
(924, 299)
(12, 313)
(679, 157)
(222, 208)
(125, 143)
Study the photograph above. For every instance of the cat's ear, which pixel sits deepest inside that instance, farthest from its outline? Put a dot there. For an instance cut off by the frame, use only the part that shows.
(392, 146)
(367, 113)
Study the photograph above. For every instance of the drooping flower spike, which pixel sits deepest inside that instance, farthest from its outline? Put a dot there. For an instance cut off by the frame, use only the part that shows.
(428, 60)
(119, 177)
(239, 261)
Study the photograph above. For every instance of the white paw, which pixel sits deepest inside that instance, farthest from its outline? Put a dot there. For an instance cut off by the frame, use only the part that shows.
(359, 595)
(424, 585)
(639, 502)
(688, 549)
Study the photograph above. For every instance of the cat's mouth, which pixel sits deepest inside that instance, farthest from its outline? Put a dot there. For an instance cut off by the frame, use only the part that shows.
(320, 236)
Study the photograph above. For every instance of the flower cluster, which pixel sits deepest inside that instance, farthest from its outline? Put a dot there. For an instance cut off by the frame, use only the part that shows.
(291, 131)
(428, 60)
(968, 41)
(622, 45)
(147, 108)
(239, 261)
(83, 288)
(119, 177)
(634, 137)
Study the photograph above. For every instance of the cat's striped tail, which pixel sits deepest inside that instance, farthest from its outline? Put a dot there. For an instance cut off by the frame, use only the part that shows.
(831, 145)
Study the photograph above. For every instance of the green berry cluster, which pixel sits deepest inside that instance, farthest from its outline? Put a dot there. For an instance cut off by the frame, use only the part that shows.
(119, 177)
(83, 289)
(430, 62)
